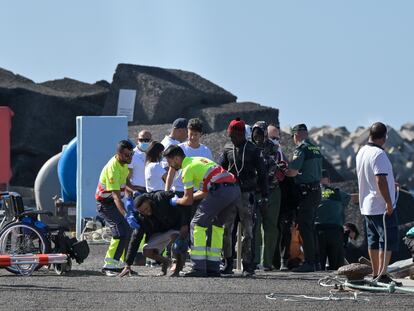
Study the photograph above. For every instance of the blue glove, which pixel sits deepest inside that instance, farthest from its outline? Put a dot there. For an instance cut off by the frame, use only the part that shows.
(135, 194)
(131, 220)
(129, 205)
(173, 200)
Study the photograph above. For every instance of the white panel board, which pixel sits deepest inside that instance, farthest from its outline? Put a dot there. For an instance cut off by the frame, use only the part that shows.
(126, 103)
(97, 141)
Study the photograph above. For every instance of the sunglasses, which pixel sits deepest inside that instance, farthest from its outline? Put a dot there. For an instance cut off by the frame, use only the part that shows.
(144, 140)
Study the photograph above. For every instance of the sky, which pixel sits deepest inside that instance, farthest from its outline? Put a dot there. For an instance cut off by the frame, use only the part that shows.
(340, 63)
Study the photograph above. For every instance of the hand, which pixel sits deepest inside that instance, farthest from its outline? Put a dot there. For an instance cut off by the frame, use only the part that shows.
(132, 221)
(389, 209)
(282, 165)
(129, 205)
(173, 200)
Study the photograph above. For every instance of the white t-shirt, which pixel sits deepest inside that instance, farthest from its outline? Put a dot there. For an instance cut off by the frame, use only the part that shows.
(201, 151)
(168, 141)
(153, 176)
(138, 168)
(372, 161)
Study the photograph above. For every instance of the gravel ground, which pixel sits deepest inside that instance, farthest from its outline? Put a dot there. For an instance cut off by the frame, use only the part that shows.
(86, 288)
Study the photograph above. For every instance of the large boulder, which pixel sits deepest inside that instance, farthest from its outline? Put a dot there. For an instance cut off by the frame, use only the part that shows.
(45, 118)
(217, 118)
(163, 94)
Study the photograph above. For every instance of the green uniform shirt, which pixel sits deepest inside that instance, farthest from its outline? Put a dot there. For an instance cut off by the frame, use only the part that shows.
(193, 171)
(332, 207)
(307, 159)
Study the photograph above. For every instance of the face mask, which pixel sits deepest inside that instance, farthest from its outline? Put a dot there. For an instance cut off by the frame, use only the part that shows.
(275, 141)
(143, 146)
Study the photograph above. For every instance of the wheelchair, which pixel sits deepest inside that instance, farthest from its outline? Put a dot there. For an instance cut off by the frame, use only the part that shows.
(21, 233)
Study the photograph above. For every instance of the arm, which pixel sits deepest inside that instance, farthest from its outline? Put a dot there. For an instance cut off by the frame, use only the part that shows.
(383, 188)
(133, 246)
(223, 160)
(199, 195)
(296, 163)
(261, 173)
(354, 198)
(116, 194)
(169, 179)
(188, 197)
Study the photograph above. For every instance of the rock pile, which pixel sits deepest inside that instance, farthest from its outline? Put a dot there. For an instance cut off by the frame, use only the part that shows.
(340, 147)
(44, 118)
(45, 113)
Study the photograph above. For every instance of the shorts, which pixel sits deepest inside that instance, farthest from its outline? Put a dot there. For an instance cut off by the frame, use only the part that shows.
(375, 232)
(159, 241)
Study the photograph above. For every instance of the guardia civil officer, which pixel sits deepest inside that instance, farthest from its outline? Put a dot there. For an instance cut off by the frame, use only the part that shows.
(306, 168)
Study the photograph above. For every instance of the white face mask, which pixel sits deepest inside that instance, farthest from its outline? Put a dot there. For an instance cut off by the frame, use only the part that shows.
(143, 146)
(275, 141)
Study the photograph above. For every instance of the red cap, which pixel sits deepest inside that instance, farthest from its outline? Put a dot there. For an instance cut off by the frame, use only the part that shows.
(237, 126)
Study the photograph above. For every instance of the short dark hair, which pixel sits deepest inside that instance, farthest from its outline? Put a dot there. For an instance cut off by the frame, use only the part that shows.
(195, 125)
(173, 151)
(124, 144)
(139, 200)
(154, 152)
(352, 227)
(378, 130)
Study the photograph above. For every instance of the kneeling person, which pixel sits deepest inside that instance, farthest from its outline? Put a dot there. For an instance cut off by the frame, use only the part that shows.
(219, 194)
(161, 223)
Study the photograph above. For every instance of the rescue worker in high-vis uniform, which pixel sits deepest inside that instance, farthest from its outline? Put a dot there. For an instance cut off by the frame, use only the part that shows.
(109, 194)
(306, 168)
(218, 193)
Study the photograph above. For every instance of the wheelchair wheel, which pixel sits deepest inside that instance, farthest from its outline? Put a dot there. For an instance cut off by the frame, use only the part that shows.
(63, 268)
(19, 239)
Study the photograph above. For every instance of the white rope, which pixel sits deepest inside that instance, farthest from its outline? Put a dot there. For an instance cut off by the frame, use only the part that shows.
(234, 158)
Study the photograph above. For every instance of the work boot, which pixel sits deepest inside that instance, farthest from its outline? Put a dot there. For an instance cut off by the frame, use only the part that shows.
(248, 273)
(195, 274)
(228, 267)
(267, 269)
(284, 267)
(305, 267)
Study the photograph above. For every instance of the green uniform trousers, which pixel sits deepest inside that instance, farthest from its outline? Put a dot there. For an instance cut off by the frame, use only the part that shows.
(268, 219)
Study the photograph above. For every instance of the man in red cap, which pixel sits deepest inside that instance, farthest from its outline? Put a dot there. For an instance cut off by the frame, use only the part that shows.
(243, 159)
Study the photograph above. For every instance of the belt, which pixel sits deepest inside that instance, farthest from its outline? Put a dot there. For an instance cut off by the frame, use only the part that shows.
(221, 185)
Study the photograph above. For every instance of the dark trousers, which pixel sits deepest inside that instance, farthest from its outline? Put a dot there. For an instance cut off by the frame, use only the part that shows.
(206, 228)
(305, 218)
(121, 232)
(331, 245)
(282, 252)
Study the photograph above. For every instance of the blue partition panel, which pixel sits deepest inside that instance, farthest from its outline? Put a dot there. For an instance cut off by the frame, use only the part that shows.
(97, 140)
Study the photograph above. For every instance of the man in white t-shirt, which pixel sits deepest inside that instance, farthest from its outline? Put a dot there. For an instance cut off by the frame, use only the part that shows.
(192, 148)
(377, 195)
(137, 165)
(178, 133)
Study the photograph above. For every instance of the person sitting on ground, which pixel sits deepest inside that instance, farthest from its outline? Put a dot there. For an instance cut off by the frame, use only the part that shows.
(161, 223)
(155, 174)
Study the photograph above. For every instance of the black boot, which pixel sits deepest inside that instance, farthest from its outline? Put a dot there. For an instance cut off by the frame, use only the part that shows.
(228, 267)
